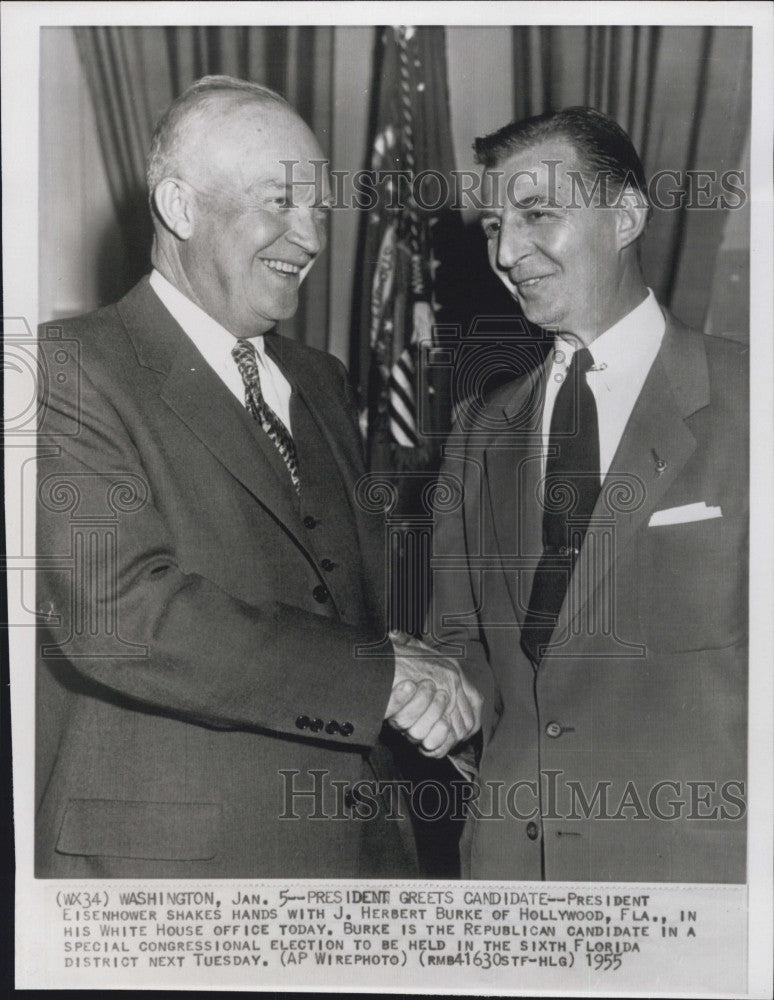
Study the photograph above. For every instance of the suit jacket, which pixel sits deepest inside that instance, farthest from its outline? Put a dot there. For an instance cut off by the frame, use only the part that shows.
(199, 664)
(623, 755)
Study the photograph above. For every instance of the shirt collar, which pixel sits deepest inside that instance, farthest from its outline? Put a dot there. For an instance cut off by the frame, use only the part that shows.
(635, 338)
(211, 338)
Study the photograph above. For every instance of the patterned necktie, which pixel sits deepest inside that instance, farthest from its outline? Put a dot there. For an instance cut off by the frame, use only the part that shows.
(570, 493)
(244, 355)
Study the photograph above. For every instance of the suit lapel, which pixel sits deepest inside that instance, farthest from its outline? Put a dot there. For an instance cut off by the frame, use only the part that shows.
(332, 421)
(199, 398)
(652, 452)
(513, 473)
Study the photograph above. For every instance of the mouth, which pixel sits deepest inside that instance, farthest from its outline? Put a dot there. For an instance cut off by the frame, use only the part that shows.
(526, 284)
(284, 268)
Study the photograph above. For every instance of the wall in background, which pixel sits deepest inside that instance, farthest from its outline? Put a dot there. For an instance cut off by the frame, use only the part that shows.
(480, 88)
(75, 208)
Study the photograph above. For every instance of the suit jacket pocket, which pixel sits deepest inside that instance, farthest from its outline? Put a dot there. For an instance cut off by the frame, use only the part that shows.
(180, 831)
(693, 584)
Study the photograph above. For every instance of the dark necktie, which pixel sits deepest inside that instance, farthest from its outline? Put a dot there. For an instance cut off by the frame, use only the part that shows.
(571, 489)
(244, 355)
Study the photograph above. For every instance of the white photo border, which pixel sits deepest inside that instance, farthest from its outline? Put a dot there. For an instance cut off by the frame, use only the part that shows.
(21, 23)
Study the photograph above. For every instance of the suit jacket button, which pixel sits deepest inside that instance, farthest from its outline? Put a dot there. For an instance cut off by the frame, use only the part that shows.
(316, 725)
(347, 729)
(327, 565)
(320, 593)
(310, 522)
(554, 730)
(332, 727)
(532, 831)
(303, 722)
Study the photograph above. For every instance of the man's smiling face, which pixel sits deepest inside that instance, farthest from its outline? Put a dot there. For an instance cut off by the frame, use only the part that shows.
(557, 256)
(253, 235)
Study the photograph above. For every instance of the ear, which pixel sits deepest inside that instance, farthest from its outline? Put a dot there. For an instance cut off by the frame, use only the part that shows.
(174, 203)
(631, 217)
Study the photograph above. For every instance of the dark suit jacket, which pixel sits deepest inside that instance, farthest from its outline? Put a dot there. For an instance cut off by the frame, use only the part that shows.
(199, 657)
(646, 679)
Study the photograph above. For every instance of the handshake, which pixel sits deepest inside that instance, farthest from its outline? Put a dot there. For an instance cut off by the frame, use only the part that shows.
(432, 703)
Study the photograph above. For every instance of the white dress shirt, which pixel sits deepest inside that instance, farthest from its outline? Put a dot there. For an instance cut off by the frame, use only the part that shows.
(623, 356)
(215, 344)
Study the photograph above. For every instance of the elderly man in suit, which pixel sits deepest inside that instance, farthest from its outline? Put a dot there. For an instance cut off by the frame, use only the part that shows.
(215, 672)
(603, 531)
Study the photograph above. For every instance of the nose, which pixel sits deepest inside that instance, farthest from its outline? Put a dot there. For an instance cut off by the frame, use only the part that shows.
(513, 244)
(307, 230)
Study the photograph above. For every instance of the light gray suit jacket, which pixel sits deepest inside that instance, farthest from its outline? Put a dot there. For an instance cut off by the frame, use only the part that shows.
(623, 756)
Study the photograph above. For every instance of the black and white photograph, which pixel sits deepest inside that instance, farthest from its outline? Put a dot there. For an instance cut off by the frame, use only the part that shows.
(388, 543)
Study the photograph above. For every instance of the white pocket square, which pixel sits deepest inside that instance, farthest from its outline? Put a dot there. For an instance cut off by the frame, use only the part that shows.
(683, 515)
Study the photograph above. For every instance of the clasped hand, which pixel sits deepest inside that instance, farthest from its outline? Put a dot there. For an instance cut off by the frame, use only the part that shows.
(432, 702)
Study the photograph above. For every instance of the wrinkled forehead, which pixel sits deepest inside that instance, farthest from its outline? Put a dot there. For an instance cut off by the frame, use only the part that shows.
(249, 144)
(545, 173)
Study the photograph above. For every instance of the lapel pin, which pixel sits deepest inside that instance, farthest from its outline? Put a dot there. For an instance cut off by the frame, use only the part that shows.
(660, 462)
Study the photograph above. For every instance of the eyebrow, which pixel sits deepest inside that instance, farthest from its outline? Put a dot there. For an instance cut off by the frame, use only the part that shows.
(269, 182)
(287, 189)
(543, 200)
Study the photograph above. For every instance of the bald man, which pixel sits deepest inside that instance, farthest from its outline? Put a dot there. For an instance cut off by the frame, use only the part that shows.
(214, 679)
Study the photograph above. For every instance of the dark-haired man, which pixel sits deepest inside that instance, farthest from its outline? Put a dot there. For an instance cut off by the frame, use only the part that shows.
(213, 681)
(604, 528)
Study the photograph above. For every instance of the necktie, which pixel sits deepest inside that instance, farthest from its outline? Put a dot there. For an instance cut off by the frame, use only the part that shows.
(244, 355)
(571, 489)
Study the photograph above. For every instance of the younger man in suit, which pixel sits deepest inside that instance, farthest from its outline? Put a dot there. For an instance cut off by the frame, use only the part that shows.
(604, 533)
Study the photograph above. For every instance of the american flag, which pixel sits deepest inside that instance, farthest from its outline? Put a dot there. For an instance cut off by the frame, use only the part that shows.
(411, 136)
